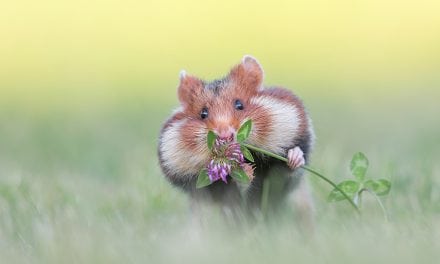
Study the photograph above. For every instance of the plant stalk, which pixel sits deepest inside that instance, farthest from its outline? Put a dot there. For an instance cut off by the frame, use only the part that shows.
(273, 155)
(385, 215)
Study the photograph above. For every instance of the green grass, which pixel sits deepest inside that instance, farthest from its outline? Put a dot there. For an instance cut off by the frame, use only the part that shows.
(86, 85)
(85, 187)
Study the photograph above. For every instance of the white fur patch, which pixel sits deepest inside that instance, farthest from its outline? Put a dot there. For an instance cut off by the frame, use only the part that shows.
(251, 59)
(182, 74)
(284, 126)
(177, 157)
(177, 110)
(311, 132)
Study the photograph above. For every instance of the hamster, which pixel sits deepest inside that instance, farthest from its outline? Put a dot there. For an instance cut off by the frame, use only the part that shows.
(280, 125)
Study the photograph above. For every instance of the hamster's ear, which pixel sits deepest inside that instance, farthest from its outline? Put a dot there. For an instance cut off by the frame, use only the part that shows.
(248, 74)
(190, 87)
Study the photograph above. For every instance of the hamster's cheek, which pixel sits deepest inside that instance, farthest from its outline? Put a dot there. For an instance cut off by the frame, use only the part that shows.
(184, 147)
(193, 135)
(276, 123)
(261, 125)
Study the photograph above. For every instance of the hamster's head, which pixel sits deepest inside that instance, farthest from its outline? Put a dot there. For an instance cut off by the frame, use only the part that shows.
(222, 105)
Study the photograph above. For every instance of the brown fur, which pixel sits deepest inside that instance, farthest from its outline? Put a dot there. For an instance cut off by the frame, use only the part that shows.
(244, 82)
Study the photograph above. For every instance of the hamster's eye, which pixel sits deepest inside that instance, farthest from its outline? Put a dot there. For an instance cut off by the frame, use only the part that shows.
(204, 113)
(238, 105)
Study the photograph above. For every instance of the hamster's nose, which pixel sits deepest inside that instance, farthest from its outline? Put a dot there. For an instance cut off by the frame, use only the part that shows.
(226, 133)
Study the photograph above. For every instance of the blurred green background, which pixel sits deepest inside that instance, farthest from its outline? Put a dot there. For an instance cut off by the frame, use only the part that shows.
(86, 85)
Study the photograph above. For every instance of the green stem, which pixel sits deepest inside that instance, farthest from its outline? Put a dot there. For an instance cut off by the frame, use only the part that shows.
(265, 197)
(273, 155)
(385, 215)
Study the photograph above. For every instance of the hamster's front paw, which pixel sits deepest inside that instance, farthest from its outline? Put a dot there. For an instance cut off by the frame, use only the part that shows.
(295, 158)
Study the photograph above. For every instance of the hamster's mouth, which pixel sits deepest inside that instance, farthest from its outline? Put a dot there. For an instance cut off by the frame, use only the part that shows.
(226, 155)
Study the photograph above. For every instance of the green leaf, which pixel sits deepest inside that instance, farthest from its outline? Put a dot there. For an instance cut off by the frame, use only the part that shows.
(359, 165)
(379, 187)
(244, 131)
(239, 175)
(335, 196)
(371, 185)
(211, 139)
(203, 179)
(383, 188)
(349, 187)
(247, 153)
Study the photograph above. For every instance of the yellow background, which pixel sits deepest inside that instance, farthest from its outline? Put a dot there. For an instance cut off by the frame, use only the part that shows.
(92, 52)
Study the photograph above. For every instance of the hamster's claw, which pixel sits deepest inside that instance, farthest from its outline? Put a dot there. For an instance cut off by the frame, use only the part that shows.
(295, 158)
